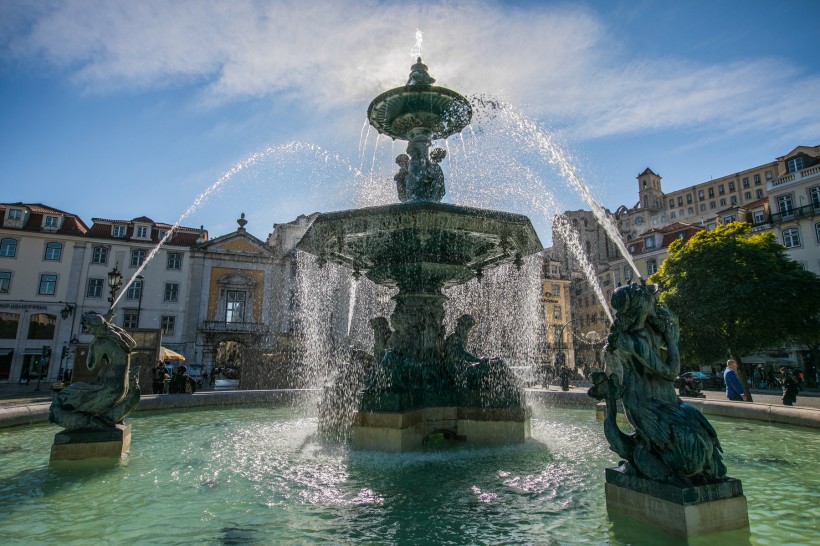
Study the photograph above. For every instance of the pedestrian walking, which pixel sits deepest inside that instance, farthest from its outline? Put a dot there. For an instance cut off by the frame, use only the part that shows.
(734, 390)
(160, 375)
(790, 387)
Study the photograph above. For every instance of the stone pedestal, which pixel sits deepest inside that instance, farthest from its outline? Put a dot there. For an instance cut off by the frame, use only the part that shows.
(406, 431)
(684, 511)
(82, 445)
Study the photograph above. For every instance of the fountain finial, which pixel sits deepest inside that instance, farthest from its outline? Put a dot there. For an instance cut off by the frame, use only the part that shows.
(419, 75)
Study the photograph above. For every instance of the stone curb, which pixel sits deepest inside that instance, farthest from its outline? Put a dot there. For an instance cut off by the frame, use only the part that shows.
(30, 414)
(770, 413)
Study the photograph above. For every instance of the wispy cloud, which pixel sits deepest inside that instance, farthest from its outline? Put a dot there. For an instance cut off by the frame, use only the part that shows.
(563, 63)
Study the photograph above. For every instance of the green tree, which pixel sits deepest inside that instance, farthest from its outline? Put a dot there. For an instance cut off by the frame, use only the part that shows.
(735, 292)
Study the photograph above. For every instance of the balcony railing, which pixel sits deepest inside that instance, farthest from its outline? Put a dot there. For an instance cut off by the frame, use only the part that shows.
(793, 214)
(790, 177)
(223, 326)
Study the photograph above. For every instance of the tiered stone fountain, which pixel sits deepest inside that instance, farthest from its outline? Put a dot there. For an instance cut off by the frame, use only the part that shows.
(422, 383)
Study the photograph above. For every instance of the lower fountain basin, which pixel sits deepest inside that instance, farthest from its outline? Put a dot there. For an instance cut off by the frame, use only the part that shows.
(261, 475)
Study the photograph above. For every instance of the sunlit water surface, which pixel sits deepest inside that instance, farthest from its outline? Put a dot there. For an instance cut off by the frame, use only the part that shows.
(261, 476)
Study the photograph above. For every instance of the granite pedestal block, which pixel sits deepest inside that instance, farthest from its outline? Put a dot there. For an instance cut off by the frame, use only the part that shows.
(684, 511)
(95, 444)
(407, 431)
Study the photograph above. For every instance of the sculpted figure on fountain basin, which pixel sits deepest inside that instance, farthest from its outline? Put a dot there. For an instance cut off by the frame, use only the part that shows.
(673, 442)
(103, 404)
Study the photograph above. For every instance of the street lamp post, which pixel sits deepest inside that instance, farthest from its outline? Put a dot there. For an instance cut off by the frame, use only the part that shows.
(141, 279)
(559, 331)
(114, 282)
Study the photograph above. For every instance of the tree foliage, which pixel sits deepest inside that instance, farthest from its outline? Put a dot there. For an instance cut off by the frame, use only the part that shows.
(735, 292)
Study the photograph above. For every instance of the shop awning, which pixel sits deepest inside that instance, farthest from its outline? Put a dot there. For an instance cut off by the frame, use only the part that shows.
(167, 354)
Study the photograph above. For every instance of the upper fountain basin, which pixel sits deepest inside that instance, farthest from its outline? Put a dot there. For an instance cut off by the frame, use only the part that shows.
(436, 110)
(397, 245)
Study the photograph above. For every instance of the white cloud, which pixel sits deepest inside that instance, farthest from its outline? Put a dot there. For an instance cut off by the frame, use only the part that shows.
(562, 63)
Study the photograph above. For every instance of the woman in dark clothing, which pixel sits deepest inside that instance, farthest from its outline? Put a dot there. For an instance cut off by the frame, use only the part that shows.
(790, 387)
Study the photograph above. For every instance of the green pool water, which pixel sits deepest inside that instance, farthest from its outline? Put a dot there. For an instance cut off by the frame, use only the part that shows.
(261, 476)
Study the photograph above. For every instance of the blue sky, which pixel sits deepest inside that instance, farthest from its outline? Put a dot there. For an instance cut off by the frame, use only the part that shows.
(124, 109)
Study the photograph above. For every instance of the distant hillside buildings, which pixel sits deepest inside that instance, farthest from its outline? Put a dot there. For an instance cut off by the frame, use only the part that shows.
(782, 197)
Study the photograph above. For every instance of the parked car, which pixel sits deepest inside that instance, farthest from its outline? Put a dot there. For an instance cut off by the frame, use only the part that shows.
(703, 380)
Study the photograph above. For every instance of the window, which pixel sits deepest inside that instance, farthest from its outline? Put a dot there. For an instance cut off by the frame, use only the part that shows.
(731, 186)
(791, 238)
(649, 242)
(556, 312)
(758, 193)
(15, 214)
(817, 231)
(745, 181)
(134, 291)
(99, 255)
(142, 232)
(768, 175)
(162, 233)
(627, 273)
(5, 282)
(8, 325)
(734, 200)
(712, 205)
(130, 320)
(171, 291)
(168, 323)
(556, 290)
(757, 179)
(672, 215)
(137, 257)
(54, 251)
(723, 202)
(729, 219)
(711, 192)
(758, 216)
(48, 284)
(680, 200)
(690, 210)
(785, 205)
(651, 266)
(681, 213)
(174, 260)
(118, 231)
(638, 220)
(703, 207)
(235, 311)
(721, 190)
(814, 194)
(701, 195)
(42, 326)
(95, 288)
(8, 248)
(794, 165)
(747, 195)
(671, 203)
(711, 226)
(689, 199)
(52, 222)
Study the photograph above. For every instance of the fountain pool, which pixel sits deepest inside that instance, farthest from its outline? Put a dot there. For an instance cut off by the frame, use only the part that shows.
(262, 476)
